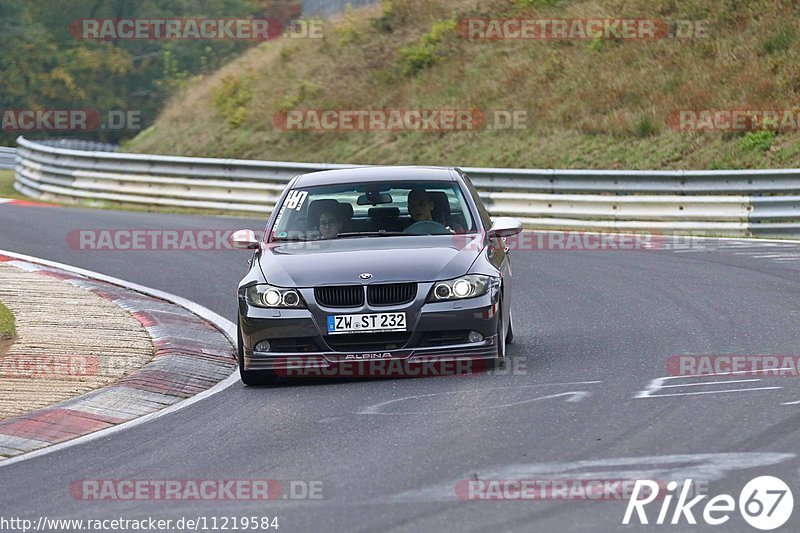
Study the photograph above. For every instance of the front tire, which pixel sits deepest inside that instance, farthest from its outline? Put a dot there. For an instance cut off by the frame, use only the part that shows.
(500, 362)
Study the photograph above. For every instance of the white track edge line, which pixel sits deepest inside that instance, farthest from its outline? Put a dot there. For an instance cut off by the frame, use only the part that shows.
(224, 325)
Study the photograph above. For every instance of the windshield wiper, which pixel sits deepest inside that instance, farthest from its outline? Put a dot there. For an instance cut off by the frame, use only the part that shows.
(379, 233)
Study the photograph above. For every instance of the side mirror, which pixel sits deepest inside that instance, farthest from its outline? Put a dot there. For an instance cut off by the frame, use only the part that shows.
(244, 239)
(504, 227)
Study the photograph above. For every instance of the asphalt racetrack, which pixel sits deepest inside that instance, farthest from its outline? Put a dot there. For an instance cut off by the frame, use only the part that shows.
(594, 332)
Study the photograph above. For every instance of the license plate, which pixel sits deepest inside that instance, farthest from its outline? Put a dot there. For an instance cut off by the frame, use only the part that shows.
(371, 323)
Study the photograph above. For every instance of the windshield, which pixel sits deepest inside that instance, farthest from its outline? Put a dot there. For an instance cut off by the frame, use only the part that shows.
(373, 210)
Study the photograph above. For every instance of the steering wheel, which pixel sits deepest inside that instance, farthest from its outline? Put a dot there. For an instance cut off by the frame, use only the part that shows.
(427, 227)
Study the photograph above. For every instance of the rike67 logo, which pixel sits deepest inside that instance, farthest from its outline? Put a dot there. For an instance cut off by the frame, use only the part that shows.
(766, 503)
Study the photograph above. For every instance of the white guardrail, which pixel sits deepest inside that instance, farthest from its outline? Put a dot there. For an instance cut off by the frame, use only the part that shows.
(732, 202)
(8, 157)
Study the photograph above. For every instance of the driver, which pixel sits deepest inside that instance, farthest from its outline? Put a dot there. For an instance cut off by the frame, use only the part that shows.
(420, 205)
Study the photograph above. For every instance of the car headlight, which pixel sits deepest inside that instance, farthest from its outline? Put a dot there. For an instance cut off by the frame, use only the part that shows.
(263, 295)
(468, 286)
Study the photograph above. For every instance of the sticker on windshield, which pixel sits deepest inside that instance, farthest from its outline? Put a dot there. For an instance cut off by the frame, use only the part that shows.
(280, 216)
(295, 200)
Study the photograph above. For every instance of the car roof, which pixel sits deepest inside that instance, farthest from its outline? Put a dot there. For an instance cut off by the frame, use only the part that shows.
(376, 173)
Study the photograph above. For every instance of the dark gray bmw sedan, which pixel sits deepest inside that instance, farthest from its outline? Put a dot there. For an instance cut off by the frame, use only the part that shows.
(390, 265)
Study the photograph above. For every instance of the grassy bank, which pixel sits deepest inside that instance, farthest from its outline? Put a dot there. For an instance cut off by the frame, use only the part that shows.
(7, 189)
(589, 103)
(7, 324)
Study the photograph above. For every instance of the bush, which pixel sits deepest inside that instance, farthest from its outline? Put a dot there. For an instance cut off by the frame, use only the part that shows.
(757, 141)
(385, 23)
(425, 54)
(305, 89)
(231, 100)
(645, 128)
(7, 328)
(779, 42)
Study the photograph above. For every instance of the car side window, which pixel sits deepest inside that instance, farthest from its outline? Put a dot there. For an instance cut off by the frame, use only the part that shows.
(482, 212)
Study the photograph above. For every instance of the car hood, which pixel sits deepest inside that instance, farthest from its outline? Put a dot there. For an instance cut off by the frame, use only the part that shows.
(388, 259)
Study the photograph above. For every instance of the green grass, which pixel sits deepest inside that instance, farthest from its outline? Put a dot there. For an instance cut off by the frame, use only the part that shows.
(589, 105)
(7, 324)
(7, 189)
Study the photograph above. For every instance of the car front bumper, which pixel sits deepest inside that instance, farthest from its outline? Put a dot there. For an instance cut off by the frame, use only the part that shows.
(316, 350)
